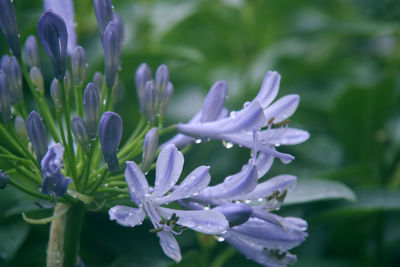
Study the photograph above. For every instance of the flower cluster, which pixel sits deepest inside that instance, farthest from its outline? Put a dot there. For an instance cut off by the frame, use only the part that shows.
(97, 171)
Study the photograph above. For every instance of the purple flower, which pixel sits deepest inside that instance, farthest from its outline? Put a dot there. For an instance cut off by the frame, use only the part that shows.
(104, 14)
(54, 182)
(112, 52)
(31, 51)
(91, 106)
(148, 200)
(239, 127)
(110, 133)
(5, 97)
(142, 76)
(53, 35)
(8, 25)
(79, 65)
(37, 134)
(65, 9)
(11, 68)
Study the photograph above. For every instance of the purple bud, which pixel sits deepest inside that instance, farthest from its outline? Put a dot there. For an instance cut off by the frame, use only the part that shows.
(150, 145)
(120, 25)
(150, 98)
(104, 14)
(112, 52)
(56, 94)
(3, 179)
(37, 134)
(31, 51)
(165, 98)
(20, 128)
(80, 132)
(110, 133)
(161, 79)
(236, 214)
(214, 102)
(79, 65)
(5, 98)
(8, 25)
(37, 79)
(91, 104)
(54, 38)
(98, 80)
(14, 77)
(143, 75)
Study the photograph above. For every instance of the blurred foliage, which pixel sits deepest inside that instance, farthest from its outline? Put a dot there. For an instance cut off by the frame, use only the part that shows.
(341, 57)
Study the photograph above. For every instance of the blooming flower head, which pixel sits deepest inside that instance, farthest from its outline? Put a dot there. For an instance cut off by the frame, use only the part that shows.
(149, 200)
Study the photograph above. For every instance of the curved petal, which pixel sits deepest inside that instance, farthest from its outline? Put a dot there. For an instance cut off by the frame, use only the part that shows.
(263, 163)
(214, 102)
(269, 89)
(205, 221)
(127, 216)
(249, 117)
(137, 183)
(235, 185)
(267, 188)
(169, 245)
(196, 181)
(283, 136)
(168, 169)
(282, 109)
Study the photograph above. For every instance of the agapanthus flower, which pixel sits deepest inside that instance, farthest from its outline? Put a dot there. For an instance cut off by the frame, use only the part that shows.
(8, 25)
(149, 200)
(260, 115)
(54, 182)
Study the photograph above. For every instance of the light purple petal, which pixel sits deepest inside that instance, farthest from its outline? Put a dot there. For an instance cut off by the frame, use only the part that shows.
(282, 109)
(168, 169)
(263, 163)
(205, 221)
(214, 102)
(65, 9)
(249, 117)
(267, 188)
(236, 214)
(269, 89)
(137, 183)
(234, 186)
(283, 136)
(169, 245)
(127, 216)
(52, 160)
(196, 181)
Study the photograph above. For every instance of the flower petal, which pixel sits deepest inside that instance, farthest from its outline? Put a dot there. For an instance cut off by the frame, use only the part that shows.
(137, 183)
(204, 221)
(214, 102)
(235, 185)
(168, 169)
(283, 136)
(169, 245)
(282, 109)
(263, 163)
(127, 216)
(269, 89)
(267, 188)
(236, 214)
(196, 181)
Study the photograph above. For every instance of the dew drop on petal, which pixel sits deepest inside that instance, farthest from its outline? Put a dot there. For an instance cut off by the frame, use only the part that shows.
(228, 145)
(220, 239)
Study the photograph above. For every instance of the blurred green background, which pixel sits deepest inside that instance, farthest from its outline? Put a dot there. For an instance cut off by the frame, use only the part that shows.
(341, 56)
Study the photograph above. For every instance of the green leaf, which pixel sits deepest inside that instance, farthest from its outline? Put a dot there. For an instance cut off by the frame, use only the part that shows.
(12, 236)
(309, 190)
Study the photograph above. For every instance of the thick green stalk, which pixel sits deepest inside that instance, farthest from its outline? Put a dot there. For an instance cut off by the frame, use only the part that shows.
(64, 237)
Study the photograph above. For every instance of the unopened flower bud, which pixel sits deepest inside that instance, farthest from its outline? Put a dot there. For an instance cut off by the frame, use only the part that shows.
(98, 80)
(14, 77)
(32, 51)
(80, 132)
(20, 128)
(112, 52)
(37, 134)
(53, 35)
(143, 75)
(104, 14)
(165, 98)
(91, 104)
(8, 25)
(150, 97)
(4, 178)
(110, 133)
(214, 102)
(79, 65)
(150, 145)
(56, 94)
(5, 98)
(236, 214)
(162, 79)
(37, 79)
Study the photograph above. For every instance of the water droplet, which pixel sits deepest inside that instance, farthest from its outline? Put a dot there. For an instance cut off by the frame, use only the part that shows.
(147, 195)
(206, 208)
(104, 101)
(286, 161)
(197, 141)
(260, 199)
(105, 185)
(228, 145)
(232, 114)
(220, 239)
(246, 104)
(277, 145)
(247, 201)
